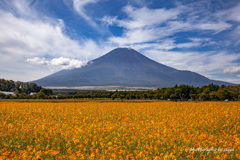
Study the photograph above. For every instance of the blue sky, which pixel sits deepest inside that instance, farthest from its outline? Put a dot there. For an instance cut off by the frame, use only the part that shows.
(40, 37)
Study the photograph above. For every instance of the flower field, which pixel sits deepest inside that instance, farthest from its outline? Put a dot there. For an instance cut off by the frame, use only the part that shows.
(119, 130)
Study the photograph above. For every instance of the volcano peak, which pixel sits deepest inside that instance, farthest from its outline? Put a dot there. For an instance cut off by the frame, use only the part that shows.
(125, 67)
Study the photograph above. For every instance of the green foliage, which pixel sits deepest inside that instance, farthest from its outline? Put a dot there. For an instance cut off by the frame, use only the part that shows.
(2, 96)
(22, 90)
(46, 91)
(41, 95)
(19, 87)
(181, 92)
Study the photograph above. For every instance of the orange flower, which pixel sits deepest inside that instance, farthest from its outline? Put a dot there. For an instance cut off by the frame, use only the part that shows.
(202, 156)
(118, 130)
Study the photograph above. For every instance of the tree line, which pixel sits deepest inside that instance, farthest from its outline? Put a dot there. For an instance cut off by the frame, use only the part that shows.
(23, 90)
(181, 92)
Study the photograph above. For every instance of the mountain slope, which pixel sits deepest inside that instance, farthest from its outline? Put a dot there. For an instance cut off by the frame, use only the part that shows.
(125, 67)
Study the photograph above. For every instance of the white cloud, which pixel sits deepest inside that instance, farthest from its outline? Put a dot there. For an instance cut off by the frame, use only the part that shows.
(136, 36)
(214, 26)
(164, 45)
(21, 8)
(227, 79)
(232, 70)
(230, 14)
(30, 38)
(38, 60)
(66, 63)
(108, 20)
(234, 13)
(145, 17)
(147, 25)
(142, 24)
(196, 42)
(188, 45)
(205, 63)
(79, 7)
(235, 35)
(168, 44)
(23, 37)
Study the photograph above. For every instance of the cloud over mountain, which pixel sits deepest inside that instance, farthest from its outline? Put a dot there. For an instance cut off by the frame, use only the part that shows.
(66, 63)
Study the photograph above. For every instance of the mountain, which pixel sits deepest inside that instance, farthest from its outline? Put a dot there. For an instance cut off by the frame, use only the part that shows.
(125, 67)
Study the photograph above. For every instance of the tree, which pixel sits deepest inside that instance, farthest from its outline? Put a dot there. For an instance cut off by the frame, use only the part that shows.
(213, 87)
(193, 96)
(2, 96)
(115, 95)
(158, 96)
(34, 87)
(214, 95)
(121, 96)
(46, 91)
(179, 93)
(145, 95)
(234, 91)
(168, 92)
(203, 96)
(224, 94)
(173, 96)
(41, 95)
(96, 95)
